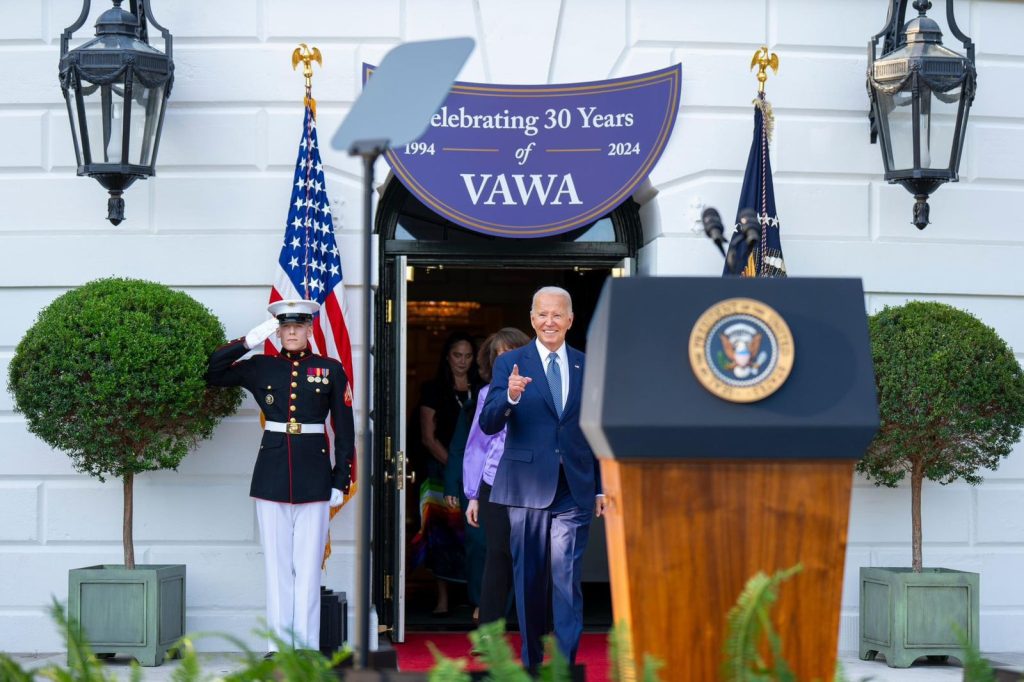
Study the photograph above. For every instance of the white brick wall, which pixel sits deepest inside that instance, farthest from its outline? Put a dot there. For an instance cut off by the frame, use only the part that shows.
(210, 224)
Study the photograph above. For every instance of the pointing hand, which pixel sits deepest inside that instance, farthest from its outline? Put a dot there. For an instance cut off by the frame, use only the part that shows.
(517, 383)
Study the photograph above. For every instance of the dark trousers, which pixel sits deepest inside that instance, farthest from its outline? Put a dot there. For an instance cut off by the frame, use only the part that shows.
(497, 580)
(547, 551)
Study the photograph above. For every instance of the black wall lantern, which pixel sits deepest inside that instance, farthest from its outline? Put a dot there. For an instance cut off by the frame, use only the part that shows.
(921, 93)
(116, 89)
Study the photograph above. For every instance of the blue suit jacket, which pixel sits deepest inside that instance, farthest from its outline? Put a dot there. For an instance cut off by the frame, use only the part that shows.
(527, 475)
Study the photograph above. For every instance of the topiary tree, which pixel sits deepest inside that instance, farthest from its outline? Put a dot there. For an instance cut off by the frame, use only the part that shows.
(950, 397)
(112, 374)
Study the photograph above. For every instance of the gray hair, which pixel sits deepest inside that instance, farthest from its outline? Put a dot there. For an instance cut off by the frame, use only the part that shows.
(551, 291)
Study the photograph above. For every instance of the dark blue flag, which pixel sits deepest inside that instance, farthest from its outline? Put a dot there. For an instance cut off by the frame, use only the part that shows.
(763, 258)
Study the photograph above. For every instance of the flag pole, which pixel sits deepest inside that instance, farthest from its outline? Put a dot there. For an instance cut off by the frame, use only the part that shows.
(306, 55)
(395, 108)
(755, 249)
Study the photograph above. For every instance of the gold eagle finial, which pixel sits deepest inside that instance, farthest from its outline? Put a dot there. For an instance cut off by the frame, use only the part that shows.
(303, 53)
(764, 60)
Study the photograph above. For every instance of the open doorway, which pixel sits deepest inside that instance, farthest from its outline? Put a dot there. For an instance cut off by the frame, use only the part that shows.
(480, 283)
(479, 301)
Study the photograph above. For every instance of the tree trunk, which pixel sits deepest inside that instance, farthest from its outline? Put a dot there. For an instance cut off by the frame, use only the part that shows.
(916, 479)
(126, 530)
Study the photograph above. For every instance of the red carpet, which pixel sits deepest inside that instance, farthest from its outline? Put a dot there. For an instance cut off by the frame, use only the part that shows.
(413, 654)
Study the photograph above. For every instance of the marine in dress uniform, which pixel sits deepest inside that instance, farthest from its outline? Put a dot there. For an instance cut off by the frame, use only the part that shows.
(293, 482)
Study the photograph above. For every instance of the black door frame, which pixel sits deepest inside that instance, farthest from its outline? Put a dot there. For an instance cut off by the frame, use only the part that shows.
(485, 253)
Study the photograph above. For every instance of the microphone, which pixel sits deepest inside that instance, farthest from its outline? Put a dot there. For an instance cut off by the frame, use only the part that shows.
(748, 230)
(749, 226)
(713, 227)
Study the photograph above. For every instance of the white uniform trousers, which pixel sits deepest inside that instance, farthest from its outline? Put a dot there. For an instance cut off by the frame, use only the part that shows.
(293, 538)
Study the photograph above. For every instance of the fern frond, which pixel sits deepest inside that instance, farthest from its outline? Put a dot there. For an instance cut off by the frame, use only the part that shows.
(620, 654)
(496, 653)
(651, 667)
(10, 670)
(747, 623)
(556, 669)
(976, 668)
(447, 669)
(188, 669)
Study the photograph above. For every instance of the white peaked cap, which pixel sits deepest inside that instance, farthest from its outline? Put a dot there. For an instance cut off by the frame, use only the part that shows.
(294, 310)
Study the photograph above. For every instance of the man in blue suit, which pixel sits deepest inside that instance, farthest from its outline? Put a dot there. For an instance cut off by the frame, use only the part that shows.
(548, 476)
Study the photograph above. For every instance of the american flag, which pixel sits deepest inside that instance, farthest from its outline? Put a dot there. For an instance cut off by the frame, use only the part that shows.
(309, 266)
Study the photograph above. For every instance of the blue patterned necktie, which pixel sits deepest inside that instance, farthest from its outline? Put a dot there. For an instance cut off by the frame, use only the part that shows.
(554, 375)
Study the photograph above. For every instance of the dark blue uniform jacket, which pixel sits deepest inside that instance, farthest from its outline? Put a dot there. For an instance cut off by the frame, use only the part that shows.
(299, 387)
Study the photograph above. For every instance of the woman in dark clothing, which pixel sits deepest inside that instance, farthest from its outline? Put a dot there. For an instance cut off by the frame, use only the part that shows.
(441, 401)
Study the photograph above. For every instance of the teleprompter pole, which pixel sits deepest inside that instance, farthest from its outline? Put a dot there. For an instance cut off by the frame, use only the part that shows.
(369, 151)
(395, 108)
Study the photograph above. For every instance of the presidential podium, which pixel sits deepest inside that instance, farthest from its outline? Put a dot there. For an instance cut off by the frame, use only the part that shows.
(727, 415)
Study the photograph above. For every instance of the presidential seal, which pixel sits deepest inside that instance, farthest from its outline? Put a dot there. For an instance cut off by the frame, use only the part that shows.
(741, 350)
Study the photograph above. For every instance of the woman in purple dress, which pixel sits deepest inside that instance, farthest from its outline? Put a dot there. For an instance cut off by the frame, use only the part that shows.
(479, 465)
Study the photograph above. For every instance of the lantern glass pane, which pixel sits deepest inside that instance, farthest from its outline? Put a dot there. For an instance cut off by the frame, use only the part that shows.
(146, 104)
(961, 122)
(938, 125)
(104, 112)
(76, 129)
(896, 112)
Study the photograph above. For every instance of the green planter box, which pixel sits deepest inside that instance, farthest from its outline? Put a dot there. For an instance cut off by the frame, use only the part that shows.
(906, 615)
(138, 612)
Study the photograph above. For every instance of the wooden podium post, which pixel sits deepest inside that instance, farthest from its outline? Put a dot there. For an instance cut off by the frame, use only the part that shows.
(704, 493)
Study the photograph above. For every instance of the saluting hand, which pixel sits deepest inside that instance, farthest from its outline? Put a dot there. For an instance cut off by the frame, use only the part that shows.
(261, 332)
(517, 383)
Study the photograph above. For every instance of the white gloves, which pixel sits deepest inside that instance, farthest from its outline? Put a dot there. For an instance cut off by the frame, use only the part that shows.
(261, 332)
(336, 497)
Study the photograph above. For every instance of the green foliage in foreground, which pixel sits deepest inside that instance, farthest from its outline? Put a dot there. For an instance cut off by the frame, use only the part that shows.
(503, 665)
(288, 665)
(749, 629)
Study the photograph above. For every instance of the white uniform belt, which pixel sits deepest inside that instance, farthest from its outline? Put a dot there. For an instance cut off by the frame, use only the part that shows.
(294, 428)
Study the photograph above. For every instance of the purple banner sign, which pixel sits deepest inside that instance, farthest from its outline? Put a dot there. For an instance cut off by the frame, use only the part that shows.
(539, 160)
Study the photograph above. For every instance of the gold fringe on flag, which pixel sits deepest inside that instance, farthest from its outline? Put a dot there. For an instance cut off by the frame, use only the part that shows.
(769, 116)
(334, 511)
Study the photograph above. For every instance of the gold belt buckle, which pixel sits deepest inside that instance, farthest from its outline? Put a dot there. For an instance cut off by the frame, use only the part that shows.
(294, 428)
